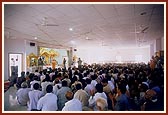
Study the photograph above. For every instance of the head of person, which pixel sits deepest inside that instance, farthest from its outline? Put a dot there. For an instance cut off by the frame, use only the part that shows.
(78, 86)
(24, 85)
(121, 88)
(101, 104)
(69, 95)
(151, 95)
(47, 78)
(99, 88)
(88, 81)
(104, 82)
(36, 70)
(64, 83)
(36, 86)
(22, 73)
(66, 75)
(49, 89)
(56, 81)
(35, 78)
(27, 73)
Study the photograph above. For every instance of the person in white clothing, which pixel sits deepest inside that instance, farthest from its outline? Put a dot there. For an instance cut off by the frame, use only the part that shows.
(45, 83)
(34, 96)
(34, 81)
(98, 94)
(101, 104)
(37, 73)
(81, 95)
(57, 86)
(89, 88)
(42, 76)
(49, 101)
(73, 104)
(22, 94)
(94, 82)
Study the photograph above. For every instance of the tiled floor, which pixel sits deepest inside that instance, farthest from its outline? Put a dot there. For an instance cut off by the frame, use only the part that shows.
(10, 101)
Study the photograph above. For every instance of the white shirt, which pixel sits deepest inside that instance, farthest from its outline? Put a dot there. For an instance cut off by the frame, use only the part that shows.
(48, 103)
(68, 81)
(37, 74)
(89, 88)
(92, 99)
(34, 96)
(73, 105)
(55, 88)
(82, 96)
(33, 82)
(51, 75)
(44, 85)
(22, 96)
(94, 82)
(42, 77)
(111, 85)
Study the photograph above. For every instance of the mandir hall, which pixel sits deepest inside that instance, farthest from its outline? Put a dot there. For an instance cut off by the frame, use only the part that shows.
(113, 49)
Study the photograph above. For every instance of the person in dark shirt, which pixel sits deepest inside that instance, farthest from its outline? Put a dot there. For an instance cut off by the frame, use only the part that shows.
(122, 103)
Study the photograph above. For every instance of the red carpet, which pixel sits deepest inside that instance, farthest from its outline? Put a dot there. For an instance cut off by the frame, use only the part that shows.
(6, 85)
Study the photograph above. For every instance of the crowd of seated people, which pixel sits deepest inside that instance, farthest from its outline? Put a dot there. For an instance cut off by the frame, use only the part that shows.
(96, 87)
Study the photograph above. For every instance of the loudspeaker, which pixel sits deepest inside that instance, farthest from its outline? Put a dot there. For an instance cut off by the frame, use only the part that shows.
(32, 44)
(75, 49)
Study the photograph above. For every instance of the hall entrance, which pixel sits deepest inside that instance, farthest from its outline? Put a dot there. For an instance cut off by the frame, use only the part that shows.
(15, 63)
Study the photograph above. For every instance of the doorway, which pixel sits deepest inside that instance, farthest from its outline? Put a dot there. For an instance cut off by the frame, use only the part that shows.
(15, 63)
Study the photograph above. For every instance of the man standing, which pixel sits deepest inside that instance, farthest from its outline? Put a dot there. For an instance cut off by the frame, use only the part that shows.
(64, 63)
(54, 63)
(79, 63)
(40, 63)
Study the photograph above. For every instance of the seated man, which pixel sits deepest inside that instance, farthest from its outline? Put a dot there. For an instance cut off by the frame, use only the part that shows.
(150, 101)
(34, 97)
(122, 103)
(101, 104)
(49, 101)
(73, 104)
(22, 94)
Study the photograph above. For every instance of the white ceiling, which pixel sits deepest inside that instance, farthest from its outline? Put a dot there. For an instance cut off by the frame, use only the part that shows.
(108, 25)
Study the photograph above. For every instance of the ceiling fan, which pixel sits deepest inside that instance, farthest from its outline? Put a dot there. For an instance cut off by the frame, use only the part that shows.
(9, 36)
(143, 30)
(45, 22)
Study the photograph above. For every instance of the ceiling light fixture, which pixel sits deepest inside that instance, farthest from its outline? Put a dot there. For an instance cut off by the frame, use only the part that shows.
(72, 42)
(87, 38)
(70, 29)
(35, 38)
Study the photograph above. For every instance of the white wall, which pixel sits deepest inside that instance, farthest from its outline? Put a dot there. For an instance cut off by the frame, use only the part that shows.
(12, 46)
(16, 46)
(162, 43)
(110, 55)
(152, 52)
(158, 45)
(31, 49)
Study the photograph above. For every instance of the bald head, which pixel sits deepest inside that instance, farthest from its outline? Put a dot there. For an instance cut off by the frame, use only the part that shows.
(69, 95)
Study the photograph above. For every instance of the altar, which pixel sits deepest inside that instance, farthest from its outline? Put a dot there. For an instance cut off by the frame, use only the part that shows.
(32, 69)
(47, 66)
(46, 58)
